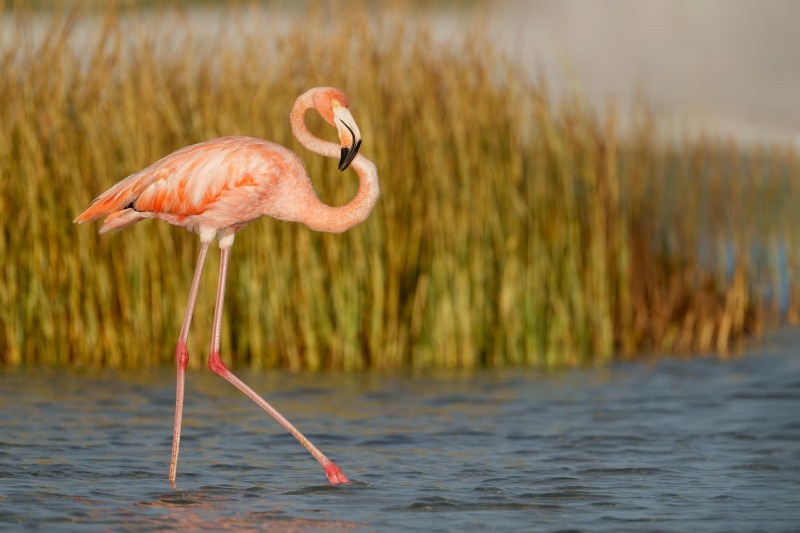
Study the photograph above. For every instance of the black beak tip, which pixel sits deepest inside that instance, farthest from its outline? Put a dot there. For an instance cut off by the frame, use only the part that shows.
(343, 162)
(348, 154)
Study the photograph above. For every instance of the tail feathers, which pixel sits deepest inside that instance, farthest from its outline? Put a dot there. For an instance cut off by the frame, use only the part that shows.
(104, 205)
(118, 197)
(119, 220)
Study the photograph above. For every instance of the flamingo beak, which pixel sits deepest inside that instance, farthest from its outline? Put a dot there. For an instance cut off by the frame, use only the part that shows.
(349, 136)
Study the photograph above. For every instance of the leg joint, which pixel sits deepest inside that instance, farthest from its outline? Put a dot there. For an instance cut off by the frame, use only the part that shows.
(182, 355)
(215, 363)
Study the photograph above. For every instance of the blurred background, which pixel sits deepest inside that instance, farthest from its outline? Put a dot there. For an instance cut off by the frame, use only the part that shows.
(717, 67)
(564, 182)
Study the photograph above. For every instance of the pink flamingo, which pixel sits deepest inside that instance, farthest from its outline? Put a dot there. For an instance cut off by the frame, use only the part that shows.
(218, 187)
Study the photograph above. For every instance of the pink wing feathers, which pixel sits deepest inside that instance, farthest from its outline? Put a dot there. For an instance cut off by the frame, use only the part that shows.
(190, 181)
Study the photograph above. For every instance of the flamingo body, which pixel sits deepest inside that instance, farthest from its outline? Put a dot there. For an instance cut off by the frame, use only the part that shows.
(211, 185)
(216, 188)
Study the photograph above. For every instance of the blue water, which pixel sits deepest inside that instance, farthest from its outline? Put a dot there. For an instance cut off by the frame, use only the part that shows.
(670, 445)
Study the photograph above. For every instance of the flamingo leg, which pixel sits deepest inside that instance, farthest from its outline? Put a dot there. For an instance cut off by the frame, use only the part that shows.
(182, 361)
(215, 363)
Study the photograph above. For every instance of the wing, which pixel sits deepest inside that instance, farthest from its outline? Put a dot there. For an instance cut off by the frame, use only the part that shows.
(188, 181)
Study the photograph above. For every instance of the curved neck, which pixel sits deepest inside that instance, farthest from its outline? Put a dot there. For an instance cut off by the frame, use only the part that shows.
(322, 217)
(303, 103)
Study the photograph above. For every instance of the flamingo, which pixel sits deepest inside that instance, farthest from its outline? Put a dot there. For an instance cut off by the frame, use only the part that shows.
(216, 188)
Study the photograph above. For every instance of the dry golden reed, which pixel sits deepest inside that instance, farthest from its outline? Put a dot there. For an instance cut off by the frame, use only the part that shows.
(511, 230)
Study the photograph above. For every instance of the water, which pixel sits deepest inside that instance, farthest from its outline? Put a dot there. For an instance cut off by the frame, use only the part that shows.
(698, 445)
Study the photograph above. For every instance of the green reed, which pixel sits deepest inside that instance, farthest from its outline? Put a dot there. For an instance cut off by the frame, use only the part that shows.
(511, 231)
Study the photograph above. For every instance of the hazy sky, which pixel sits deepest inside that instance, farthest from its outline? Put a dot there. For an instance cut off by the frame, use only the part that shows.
(728, 66)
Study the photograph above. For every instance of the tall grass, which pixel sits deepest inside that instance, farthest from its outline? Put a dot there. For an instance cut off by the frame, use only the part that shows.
(512, 230)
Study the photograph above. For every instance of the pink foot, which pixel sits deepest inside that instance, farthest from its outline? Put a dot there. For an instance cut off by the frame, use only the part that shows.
(335, 475)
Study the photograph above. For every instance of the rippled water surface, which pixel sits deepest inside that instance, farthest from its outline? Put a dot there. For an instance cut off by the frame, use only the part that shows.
(697, 445)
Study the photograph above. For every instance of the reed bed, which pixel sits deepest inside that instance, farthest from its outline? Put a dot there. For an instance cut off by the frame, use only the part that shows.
(514, 228)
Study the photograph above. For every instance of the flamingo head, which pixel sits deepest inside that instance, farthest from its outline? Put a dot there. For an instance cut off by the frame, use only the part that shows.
(332, 104)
